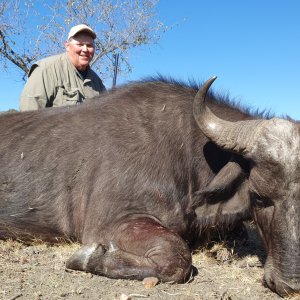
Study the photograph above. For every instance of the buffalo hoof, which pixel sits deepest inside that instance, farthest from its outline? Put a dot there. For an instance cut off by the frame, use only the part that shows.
(79, 260)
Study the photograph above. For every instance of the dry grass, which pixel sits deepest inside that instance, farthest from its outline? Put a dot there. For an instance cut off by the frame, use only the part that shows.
(37, 271)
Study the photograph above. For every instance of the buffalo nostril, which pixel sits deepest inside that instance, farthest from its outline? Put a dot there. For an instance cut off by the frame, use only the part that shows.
(287, 284)
(282, 288)
(270, 284)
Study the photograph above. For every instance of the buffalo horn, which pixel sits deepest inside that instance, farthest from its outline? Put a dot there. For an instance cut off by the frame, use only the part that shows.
(238, 137)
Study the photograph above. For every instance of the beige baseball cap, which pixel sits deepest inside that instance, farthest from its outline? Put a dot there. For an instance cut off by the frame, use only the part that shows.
(79, 28)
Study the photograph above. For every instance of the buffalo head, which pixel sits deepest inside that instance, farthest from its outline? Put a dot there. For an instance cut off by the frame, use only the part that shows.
(272, 148)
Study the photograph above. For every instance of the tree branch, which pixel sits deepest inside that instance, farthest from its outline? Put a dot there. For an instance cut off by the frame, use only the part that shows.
(10, 54)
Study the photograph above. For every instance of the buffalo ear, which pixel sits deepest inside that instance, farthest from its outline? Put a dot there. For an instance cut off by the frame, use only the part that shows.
(225, 184)
(226, 197)
(238, 206)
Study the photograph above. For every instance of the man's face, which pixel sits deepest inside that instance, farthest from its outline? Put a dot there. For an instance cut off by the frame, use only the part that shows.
(80, 49)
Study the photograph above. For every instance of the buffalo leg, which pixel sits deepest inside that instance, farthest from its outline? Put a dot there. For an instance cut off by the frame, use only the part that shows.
(138, 249)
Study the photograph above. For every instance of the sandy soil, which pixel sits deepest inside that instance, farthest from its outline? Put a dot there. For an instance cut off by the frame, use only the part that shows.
(225, 272)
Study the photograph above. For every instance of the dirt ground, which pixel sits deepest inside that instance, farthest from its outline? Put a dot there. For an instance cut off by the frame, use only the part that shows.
(222, 272)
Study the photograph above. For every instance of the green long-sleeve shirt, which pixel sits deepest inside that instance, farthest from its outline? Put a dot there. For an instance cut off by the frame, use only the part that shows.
(54, 81)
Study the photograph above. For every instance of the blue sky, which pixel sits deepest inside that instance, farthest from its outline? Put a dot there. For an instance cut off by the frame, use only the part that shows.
(252, 46)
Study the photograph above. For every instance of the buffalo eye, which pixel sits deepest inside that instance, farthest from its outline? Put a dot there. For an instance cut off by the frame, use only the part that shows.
(260, 202)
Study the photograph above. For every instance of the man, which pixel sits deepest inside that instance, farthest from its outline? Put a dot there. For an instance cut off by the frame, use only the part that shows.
(64, 79)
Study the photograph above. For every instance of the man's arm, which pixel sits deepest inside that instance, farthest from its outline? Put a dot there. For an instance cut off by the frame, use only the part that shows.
(34, 95)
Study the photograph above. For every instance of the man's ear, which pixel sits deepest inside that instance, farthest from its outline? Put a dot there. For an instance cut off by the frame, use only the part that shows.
(67, 45)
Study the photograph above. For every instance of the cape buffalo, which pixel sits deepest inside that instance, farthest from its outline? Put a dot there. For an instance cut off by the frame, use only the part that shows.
(138, 175)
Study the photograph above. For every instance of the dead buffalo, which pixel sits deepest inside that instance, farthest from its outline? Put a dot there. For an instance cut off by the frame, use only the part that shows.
(140, 175)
